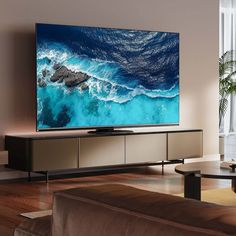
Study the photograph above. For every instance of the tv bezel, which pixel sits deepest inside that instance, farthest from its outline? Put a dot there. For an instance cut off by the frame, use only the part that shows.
(99, 127)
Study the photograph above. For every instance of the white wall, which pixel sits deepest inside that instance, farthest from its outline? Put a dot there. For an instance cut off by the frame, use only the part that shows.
(196, 20)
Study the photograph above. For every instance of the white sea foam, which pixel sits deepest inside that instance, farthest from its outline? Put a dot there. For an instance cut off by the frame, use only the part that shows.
(98, 89)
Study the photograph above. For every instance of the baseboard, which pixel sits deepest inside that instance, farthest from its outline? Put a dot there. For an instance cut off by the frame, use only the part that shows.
(213, 157)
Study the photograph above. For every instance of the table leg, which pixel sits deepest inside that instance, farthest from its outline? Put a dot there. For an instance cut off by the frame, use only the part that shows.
(233, 185)
(192, 187)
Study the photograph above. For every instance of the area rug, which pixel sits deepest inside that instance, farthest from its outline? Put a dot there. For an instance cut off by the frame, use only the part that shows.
(36, 214)
(222, 196)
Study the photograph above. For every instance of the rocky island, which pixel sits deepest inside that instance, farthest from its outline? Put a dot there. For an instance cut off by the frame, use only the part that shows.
(69, 77)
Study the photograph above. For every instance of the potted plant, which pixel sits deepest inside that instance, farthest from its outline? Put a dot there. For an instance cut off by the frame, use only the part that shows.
(227, 86)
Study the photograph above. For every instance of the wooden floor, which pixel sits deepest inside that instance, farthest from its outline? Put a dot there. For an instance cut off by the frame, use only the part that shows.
(16, 198)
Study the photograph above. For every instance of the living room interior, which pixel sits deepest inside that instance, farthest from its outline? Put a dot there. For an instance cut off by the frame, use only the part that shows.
(160, 162)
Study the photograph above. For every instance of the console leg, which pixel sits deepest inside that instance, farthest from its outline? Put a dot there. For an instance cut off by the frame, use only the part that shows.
(46, 175)
(162, 167)
(192, 187)
(29, 176)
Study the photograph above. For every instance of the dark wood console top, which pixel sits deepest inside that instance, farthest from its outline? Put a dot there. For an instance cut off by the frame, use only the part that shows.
(85, 134)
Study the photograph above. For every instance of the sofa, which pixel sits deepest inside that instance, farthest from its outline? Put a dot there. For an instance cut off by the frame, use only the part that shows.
(119, 210)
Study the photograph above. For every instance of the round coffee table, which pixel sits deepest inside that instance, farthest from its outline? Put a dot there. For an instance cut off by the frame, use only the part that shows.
(193, 172)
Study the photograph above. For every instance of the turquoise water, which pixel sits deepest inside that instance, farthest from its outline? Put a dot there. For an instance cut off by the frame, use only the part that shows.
(86, 109)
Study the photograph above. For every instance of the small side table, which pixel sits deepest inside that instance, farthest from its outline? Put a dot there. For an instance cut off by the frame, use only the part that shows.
(193, 172)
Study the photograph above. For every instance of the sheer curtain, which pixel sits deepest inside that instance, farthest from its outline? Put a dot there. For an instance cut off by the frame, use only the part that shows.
(228, 42)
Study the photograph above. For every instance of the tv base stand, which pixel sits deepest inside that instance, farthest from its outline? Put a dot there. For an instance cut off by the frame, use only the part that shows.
(109, 131)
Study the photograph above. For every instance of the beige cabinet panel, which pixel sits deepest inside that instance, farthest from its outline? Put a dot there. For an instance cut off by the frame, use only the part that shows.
(101, 151)
(54, 154)
(184, 145)
(145, 148)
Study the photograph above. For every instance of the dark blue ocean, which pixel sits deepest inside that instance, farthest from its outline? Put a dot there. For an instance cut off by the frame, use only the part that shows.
(134, 77)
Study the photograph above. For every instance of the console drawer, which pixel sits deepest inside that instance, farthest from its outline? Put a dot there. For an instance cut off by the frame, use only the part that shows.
(184, 145)
(54, 154)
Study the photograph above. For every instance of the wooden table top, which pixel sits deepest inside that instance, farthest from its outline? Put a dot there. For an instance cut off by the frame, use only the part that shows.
(206, 169)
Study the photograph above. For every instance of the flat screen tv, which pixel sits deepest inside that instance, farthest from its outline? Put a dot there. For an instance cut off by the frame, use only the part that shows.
(98, 78)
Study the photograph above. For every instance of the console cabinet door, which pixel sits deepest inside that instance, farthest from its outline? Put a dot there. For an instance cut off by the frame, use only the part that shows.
(101, 151)
(54, 154)
(145, 148)
(184, 145)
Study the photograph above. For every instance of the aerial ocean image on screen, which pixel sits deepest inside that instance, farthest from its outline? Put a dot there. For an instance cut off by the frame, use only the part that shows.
(96, 77)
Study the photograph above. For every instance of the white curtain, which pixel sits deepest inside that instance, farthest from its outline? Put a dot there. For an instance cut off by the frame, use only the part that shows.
(228, 42)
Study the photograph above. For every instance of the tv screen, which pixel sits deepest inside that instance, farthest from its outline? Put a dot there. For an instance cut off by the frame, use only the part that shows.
(91, 77)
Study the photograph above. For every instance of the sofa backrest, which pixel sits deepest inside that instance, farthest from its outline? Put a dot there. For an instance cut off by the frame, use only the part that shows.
(120, 210)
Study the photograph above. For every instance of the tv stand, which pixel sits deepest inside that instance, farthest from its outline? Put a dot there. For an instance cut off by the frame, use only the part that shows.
(109, 148)
(109, 131)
